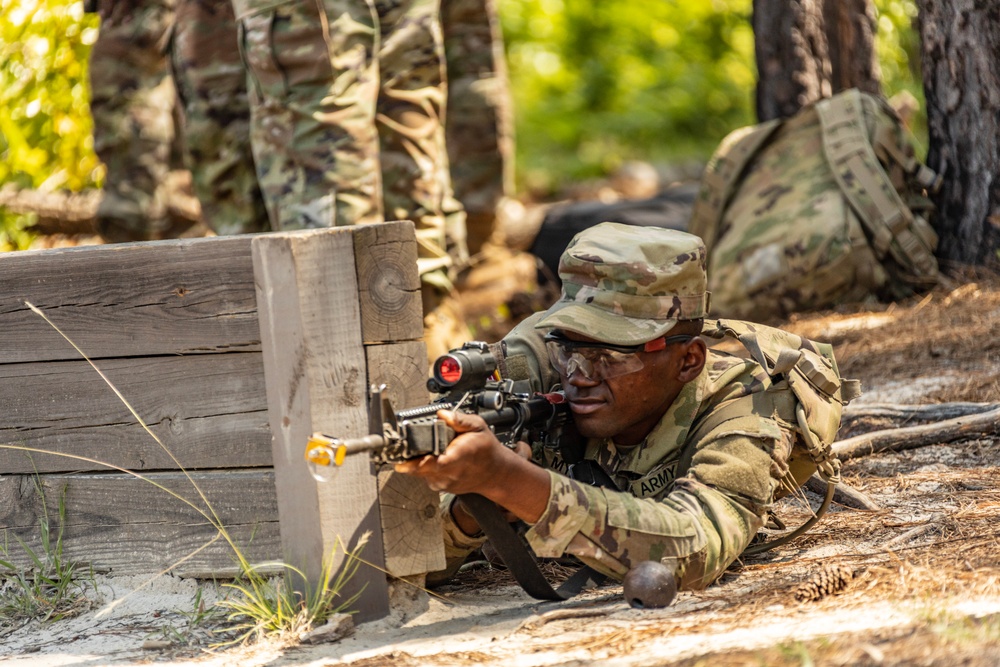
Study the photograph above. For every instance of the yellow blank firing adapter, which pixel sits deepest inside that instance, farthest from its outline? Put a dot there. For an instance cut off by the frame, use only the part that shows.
(322, 450)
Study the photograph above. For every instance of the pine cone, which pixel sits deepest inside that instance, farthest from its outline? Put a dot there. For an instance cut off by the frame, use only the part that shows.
(830, 580)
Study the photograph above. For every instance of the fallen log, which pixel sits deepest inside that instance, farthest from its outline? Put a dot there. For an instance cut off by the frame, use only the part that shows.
(929, 412)
(912, 437)
(74, 213)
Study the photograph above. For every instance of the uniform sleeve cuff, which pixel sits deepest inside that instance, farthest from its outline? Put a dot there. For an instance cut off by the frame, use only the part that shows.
(454, 538)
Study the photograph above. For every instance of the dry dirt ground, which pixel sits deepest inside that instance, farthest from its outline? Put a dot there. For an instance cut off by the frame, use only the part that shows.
(922, 572)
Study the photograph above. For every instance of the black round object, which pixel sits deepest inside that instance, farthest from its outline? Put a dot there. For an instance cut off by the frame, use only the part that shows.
(650, 585)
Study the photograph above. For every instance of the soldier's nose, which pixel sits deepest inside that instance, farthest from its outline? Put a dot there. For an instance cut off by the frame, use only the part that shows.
(580, 371)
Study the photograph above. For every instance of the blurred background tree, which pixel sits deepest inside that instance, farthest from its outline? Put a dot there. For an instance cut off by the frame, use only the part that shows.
(599, 83)
(595, 84)
(45, 129)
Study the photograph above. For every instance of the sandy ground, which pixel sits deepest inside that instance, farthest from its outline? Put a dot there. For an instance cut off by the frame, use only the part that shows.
(925, 586)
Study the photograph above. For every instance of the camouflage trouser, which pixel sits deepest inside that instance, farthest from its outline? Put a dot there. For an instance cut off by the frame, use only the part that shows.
(212, 95)
(137, 108)
(132, 101)
(348, 100)
(479, 126)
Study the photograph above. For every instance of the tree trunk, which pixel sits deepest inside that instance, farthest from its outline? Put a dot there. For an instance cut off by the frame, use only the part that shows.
(810, 49)
(960, 43)
(792, 61)
(850, 39)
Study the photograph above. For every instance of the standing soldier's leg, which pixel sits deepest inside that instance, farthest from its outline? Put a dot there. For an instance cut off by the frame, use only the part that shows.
(313, 82)
(132, 98)
(479, 126)
(212, 94)
(410, 116)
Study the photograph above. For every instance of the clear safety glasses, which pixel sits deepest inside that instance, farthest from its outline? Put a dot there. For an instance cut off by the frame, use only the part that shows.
(601, 361)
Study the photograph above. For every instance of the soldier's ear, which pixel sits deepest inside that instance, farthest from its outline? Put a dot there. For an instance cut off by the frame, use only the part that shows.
(695, 352)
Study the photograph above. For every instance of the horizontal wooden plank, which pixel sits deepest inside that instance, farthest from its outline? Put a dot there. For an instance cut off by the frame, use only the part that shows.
(129, 526)
(209, 410)
(134, 299)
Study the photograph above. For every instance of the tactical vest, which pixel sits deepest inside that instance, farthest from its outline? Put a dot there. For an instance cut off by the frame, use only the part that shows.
(807, 212)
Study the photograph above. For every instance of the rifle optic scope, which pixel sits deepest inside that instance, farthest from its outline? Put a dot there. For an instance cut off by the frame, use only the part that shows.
(464, 369)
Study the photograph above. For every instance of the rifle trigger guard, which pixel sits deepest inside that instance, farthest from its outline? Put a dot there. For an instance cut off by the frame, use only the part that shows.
(516, 430)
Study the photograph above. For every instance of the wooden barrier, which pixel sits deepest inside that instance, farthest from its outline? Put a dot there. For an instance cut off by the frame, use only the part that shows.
(232, 350)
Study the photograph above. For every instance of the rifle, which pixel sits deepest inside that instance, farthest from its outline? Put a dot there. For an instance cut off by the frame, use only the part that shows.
(466, 380)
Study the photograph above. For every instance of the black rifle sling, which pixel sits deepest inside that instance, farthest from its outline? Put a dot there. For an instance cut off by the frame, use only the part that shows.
(516, 556)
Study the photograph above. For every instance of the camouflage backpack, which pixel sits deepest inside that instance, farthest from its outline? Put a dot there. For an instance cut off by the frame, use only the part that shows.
(807, 212)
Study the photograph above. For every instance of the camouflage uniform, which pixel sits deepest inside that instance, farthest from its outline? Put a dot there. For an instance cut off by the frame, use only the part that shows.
(212, 95)
(331, 80)
(132, 101)
(695, 492)
(479, 126)
(168, 88)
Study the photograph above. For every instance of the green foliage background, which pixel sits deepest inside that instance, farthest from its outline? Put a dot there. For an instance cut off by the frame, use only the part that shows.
(600, 82)
(45, 127)
(596, 83)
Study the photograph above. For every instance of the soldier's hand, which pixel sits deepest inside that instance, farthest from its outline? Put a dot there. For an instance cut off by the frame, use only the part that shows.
(476, 462)
(469, 461)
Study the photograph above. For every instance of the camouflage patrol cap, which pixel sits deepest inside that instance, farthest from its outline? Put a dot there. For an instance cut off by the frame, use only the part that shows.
(627, 285)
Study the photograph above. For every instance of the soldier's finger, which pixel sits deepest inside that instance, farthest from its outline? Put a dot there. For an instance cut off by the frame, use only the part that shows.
(523, 449)
(415, 466)
(462, 422)
(406, 467)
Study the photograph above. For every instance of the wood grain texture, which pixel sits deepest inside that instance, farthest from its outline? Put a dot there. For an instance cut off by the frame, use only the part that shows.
(403, 369)
(388, 284)
(136, 299)
(315, 368)
(210, 411)
(411, 527)
(125, 525)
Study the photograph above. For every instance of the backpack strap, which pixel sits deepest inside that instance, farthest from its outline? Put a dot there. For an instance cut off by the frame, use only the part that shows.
(722, 176)
(867, 187)
(888, 148)
(810, 370)
(519, 559)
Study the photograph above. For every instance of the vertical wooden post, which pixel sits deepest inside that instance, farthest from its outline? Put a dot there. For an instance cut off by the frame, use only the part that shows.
(315, 370)
(392, 328)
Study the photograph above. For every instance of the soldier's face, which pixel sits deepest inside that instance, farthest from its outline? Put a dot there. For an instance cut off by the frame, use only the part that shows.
(627, 407)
